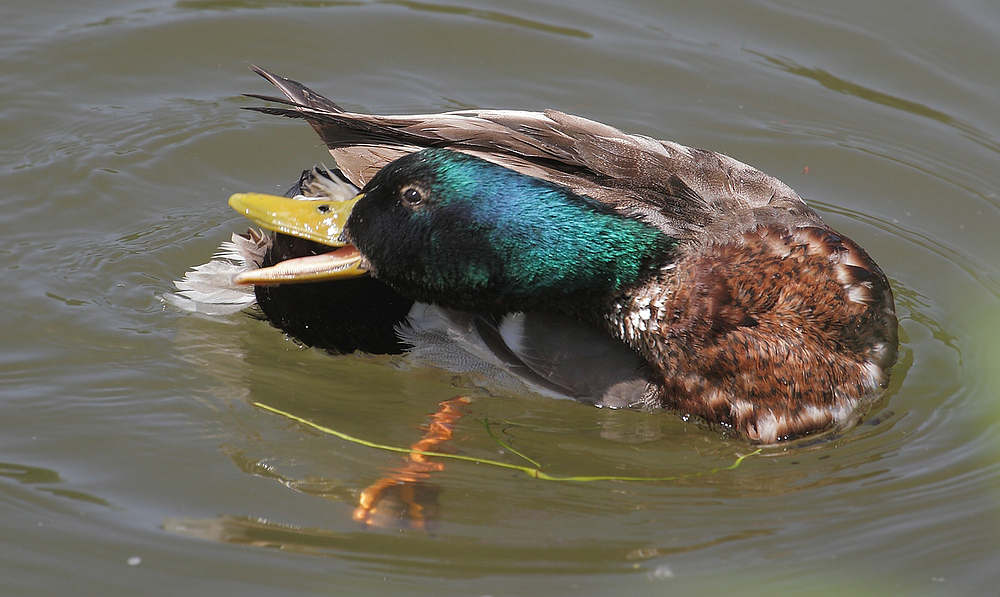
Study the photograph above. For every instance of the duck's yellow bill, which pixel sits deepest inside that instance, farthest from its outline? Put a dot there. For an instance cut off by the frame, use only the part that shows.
(345, 262)
(319, 220)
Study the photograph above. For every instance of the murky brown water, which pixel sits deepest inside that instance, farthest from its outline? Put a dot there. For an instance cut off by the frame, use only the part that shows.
(131, 460)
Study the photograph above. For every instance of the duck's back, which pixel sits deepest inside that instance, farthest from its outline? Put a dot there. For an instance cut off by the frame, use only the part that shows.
(685, 191)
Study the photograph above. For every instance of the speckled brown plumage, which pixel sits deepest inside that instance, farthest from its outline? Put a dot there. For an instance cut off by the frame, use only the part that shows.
(775, 334)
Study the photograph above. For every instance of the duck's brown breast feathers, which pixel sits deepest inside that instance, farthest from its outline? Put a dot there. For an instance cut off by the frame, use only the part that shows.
(776, 333)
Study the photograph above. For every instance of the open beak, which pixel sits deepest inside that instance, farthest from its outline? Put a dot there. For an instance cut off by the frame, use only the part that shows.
(318, 220)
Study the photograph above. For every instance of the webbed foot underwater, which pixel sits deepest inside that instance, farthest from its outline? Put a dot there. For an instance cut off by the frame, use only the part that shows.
(585, 262)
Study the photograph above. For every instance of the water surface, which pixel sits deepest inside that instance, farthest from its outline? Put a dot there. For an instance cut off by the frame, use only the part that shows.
(131, 458)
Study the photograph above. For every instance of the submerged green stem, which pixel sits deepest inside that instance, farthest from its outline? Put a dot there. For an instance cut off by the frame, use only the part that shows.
(532, 471)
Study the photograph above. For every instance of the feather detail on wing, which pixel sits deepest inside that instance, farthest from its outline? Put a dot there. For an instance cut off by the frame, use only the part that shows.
(682, 190)
(550, 355)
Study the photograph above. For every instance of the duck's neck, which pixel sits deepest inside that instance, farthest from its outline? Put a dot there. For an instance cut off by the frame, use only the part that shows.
(572, 261)
(776, 333)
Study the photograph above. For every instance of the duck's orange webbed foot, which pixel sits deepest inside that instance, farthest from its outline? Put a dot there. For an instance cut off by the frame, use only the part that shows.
(404, 495)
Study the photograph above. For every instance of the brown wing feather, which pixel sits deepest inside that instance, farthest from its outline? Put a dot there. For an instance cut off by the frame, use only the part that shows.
(682, 190)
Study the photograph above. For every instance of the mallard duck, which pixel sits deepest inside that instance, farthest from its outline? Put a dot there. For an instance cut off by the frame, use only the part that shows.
(612, 268)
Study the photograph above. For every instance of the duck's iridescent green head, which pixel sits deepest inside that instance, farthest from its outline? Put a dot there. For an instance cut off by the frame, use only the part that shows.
(456, 230)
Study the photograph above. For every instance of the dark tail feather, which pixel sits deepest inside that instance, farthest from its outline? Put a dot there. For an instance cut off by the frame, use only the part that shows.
(271, 98)
(336, 127)
(297, 93)
(275, 111)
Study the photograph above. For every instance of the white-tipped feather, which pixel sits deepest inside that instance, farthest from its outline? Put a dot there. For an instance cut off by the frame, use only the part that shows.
(209, 288)
(327, 184)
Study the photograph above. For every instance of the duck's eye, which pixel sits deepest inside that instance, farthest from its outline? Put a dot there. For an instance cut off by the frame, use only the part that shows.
(412, 196)
(323, 208)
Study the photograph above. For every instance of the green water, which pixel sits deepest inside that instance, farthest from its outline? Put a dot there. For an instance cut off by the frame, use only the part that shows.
(132, 461)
